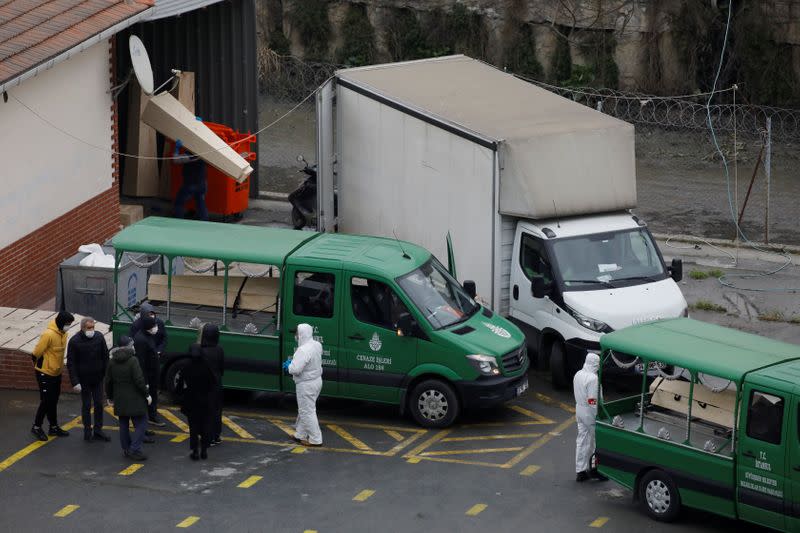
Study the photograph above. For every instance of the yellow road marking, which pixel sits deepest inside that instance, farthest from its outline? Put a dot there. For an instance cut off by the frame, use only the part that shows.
(283, 426)
(131, 469)
(188, 521)
(476, 509)
(462, 452)
(67, 509)
(236, 428)
(395, 435)
(428, 443)
(530, 414)
(363, 495)
(299, 449)
(178, 422)
(414, 460)
(550, 401)
(180, 437)
(493, 437)
(599, 522)
(539, 443)
(404, 444)
(110, 410)
(310, 531)
(348, 437)
(32, 447)
(530, 470)
(455, 461)
(249, 482)
(273, 418)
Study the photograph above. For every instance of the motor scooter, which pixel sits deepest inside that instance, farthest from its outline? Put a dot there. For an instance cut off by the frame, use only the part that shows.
(304, 198)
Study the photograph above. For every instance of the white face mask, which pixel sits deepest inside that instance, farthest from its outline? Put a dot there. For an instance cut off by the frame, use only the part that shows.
(89, 333)
(153, 330)
(65, 327)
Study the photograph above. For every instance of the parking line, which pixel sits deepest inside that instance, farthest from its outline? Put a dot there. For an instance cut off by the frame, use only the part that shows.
(530, 470)
(236, 428)
(110, 410)
(363, 495)
(283, 426)
(67, 509)
(530, 414)
(131, 469)
(188, 521)
(299, 449)
(550, 401)
(476, 509)
(180, 438)
(395, 435)
(405, 443)
(32, 447)
(462, 452)
(310, 531)
(348, 437)
(599, 522)
(249, 482)
(492, 437)
(428, 443)
(539, 443)
(175, 420)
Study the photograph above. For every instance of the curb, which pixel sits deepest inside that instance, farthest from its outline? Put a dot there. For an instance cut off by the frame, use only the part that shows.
(277, 196)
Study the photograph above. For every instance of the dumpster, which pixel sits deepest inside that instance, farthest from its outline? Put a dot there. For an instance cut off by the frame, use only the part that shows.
(90, 290)
(224, 196)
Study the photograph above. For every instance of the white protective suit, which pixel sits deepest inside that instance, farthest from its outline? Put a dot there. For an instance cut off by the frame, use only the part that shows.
(586, 390)
(306, 368)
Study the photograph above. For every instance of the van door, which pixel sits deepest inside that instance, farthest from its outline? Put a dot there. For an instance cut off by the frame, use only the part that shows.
(761, 475)
(314, 298)
(378, 359)
(793, 466)
(530, 260)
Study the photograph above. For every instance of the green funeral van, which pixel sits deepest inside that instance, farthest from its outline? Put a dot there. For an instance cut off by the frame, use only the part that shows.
(718, 430)
(395, 325)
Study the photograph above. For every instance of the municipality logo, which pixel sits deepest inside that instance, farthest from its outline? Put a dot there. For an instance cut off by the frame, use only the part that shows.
(497, 330)
(375, 342)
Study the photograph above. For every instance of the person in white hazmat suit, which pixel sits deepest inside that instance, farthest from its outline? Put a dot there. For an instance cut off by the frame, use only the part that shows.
(306, 369)
(586, 389)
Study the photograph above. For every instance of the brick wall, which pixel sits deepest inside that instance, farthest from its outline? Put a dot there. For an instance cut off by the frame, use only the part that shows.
(16, 372)
(28, 266)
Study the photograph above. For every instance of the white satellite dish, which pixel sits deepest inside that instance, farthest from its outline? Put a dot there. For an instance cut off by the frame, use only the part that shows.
(141, 64)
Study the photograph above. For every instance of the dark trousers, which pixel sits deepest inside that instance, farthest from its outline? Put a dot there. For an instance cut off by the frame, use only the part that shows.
(49, 391)
(216, 413)
(192, 190)
(200, 429)
(152, 409)
(139, 425)
(92, 396)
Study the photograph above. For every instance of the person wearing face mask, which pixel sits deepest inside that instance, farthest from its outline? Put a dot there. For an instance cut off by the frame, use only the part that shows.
(144, 343)
(87, 359)
(159, 341)
(306, 369)
(587, 391)
(48, 362)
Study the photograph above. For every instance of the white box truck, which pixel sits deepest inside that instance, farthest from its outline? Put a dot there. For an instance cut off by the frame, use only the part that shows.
(535, 190)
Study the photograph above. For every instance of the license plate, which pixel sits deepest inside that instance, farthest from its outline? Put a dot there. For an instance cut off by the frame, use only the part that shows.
(522, 388)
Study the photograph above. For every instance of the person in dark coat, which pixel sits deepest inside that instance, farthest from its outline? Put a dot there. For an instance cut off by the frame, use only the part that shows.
(87, 359)
(213, 353)
(197, 384)
(146, 347)
(160, 345)
(127, 392)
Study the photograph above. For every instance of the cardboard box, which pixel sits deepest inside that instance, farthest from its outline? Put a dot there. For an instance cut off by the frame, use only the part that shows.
(141, 175)
(128, 214)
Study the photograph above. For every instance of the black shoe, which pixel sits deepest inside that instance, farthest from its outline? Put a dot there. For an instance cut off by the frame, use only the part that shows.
(594, 474)
(582, 476)
(39, 433)
(137, 456)
(148, 440)
(126, 453)
(87, 434)
(156, 422)
(215, 442)
(149, 432)
(58, 432)
(99, 435)
(203, 454)
(193, 456)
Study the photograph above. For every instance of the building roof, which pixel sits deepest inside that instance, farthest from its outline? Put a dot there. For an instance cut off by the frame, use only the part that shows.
(699, 346)
(35, 32)
(172, 8)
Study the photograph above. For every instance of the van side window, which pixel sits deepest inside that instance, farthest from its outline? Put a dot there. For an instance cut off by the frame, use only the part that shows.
(313, 294)
(533, 259)
(765, 417)
(375, 303)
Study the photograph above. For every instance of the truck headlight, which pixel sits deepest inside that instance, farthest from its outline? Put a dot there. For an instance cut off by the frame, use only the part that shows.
(485, 364)
(589, 323)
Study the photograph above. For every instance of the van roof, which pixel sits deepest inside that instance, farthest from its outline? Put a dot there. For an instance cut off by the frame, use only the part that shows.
(712, 349)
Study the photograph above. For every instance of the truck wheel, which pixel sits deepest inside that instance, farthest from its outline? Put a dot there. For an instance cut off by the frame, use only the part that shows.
(173, 375)
(558, 365)
(298, 220)
(433, 404)
(659, 496)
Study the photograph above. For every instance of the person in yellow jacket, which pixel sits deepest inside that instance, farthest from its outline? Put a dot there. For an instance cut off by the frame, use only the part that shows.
(48, 362)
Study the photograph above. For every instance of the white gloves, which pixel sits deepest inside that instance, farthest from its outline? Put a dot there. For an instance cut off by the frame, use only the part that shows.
(77, 388)
(149, 400)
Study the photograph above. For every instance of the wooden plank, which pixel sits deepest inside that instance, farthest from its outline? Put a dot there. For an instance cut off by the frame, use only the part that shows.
(141, 175)
(706, 405)
(184, 92)
(258, 293)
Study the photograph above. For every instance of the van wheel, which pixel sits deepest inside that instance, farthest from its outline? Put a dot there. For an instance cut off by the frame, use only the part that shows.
(558, 365)
(659, 496)
(173, 376)
(433, 404)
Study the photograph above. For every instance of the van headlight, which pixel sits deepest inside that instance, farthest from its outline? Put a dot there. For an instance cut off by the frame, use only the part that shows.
(485, 364)
(589, 323)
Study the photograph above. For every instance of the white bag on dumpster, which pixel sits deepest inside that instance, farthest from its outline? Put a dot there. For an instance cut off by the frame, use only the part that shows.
(96, 258)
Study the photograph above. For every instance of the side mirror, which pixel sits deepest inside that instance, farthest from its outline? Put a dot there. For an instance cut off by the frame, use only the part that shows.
(406, 326)
(676, 270)
(539, 289)
(470, 288)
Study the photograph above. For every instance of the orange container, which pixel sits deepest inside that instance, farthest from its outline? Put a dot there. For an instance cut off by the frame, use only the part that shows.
(224, 196)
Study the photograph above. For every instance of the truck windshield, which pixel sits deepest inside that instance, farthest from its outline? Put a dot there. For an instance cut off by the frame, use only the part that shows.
(615, 259)
(437, 295)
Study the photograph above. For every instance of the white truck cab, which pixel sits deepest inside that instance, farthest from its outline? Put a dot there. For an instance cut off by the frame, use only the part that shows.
(574, 279)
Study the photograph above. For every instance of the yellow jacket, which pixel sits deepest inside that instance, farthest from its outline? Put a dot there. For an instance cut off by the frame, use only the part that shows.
(49, 351)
